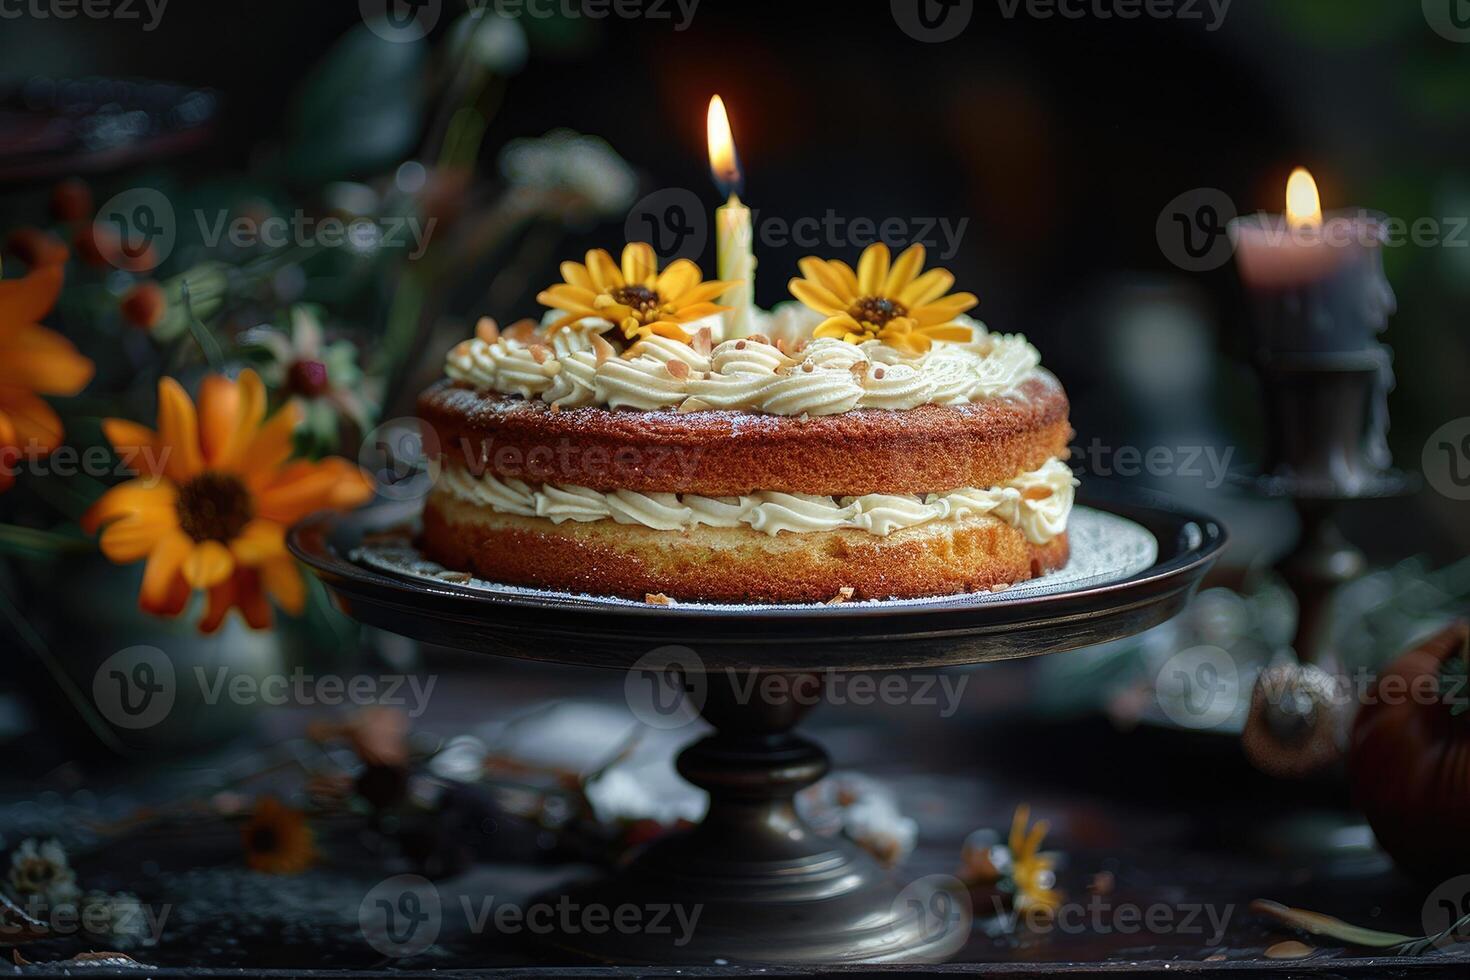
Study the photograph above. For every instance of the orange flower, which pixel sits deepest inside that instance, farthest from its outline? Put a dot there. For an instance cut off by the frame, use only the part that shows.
(277, 839)
(33, 361)
(144, 305)
(637, 298)
(886, 299)
(213, 498)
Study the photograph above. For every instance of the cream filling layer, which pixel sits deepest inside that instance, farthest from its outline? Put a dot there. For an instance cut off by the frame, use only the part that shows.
(1037, 502)
(825, 377)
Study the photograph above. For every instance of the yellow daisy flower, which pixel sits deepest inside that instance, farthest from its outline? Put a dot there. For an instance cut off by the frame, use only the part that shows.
(636, 297)
(215, 492)
(1031, 871)
(887, 300)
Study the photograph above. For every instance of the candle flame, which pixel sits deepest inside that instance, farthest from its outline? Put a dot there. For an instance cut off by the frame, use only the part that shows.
(1303, 203)
(722, 160)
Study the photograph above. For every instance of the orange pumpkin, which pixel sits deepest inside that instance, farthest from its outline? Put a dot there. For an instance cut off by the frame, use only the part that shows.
(1409, 761)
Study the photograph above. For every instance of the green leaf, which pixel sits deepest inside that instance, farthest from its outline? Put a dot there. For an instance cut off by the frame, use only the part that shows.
(358, 111)
(28, 542)
(1317, 924)
(203, 336)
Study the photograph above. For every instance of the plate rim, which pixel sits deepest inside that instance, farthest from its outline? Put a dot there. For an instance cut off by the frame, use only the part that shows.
(311, 541)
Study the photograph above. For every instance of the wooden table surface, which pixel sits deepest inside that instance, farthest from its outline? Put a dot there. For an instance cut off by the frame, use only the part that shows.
(1167, 839)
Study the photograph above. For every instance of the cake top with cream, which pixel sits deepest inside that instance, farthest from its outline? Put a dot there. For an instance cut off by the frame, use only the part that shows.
(883, 336)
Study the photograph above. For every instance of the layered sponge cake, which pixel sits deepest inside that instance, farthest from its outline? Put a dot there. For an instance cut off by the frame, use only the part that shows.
(854, 450)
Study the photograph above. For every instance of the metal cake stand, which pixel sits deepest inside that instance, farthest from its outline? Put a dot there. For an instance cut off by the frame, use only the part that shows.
(769, 889)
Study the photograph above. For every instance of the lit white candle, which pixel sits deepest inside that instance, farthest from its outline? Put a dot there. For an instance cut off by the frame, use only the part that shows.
(734, 234)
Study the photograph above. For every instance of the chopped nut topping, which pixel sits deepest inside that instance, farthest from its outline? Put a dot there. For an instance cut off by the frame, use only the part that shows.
(759, 338)
(878, 374)
(659, 599)
(487, 330)
(522, 330)
(453, 576)
(843, 594)
(704, 341)
(808, 367)
(603, 349)
(678, 368)
(539, 353)
(740, 345)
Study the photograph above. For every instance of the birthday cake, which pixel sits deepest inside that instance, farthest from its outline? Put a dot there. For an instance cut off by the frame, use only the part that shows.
(869, 441)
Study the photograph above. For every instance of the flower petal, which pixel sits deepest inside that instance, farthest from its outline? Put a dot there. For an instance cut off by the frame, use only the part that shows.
(270, 447)
(133, 537)
(604, 272)
(27, 299)
(35, 426)
(905, 268)
(178, 431)
(873, 269)
(640, 264)
(816, 296)
(259, 542)
(838, 326)
(702, 293)
(927, 288)
(208, 564)
(681, 276)
(835, 277)
(42, 360)
(576, 274)
(138, 496)
(944, 310)
(282, 579)
(164, 591)
(137, 446)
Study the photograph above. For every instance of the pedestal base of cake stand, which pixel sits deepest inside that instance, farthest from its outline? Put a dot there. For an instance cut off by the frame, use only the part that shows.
(753, 882)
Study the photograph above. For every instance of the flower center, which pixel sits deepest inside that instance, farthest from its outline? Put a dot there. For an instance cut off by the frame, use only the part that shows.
(877, 310)
(307, 378)
(643, 301)
(214, 507)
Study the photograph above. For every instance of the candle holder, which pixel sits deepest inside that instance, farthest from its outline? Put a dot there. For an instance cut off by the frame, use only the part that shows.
(1327, 447)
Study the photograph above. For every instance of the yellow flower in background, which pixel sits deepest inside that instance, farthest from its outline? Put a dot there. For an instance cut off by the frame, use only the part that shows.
(1031, 871)
(214, 495)
(887, 300)
(34, 361)
(277, 839)
(637, 298)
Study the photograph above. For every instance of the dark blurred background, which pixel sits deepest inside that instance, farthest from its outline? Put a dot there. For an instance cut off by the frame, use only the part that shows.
(1059, 140)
